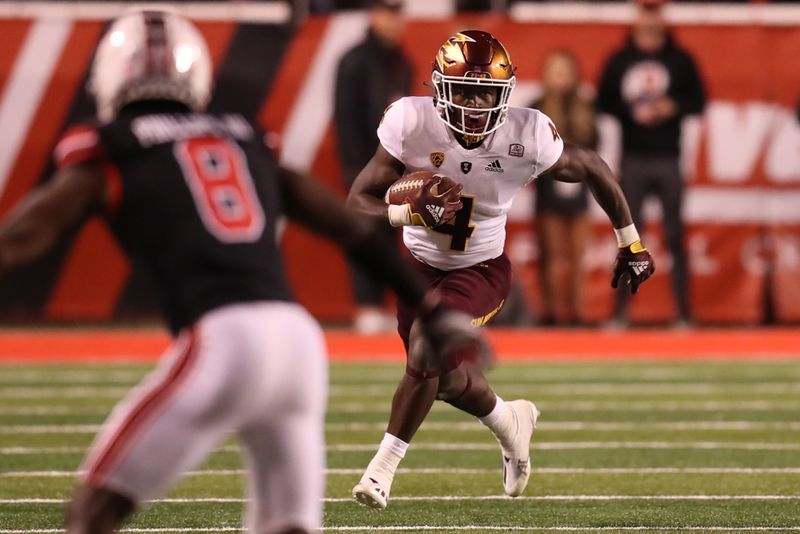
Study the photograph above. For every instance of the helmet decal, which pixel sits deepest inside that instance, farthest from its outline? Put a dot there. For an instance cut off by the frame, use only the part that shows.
(449, 53)
(477, 58)
(156, 38)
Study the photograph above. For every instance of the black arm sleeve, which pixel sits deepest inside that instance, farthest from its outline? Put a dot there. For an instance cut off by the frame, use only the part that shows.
(311, 204)
(384, 263)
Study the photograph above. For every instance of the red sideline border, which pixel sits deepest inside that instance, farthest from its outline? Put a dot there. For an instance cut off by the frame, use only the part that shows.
(83, 345)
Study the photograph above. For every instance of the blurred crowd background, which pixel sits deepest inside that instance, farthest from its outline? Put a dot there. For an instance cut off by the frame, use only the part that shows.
(695, 105)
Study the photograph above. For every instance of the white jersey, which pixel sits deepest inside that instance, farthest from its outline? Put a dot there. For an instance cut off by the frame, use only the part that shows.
(491, 174)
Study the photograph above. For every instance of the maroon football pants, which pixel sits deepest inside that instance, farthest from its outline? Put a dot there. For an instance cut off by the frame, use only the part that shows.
(479, 291)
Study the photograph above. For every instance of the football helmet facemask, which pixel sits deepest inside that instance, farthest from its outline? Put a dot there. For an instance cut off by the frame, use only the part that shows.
(150, 55)
(476, 58)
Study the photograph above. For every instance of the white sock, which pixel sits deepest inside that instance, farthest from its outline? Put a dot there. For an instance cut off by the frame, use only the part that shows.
(384, 464)
(396, 446)
(500, 421)
(496, 415)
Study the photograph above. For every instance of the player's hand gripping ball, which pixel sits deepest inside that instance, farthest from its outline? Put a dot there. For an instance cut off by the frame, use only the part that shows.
(432, 199)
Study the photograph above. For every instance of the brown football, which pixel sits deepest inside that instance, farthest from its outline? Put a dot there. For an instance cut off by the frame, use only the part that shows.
(408, 184)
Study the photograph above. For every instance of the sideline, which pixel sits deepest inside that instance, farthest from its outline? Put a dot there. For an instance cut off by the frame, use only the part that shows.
(87, 345)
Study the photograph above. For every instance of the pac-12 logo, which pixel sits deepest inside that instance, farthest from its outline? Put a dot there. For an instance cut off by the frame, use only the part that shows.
(466, 166)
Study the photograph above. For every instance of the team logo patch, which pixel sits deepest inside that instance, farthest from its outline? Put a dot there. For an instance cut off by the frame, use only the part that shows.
(516, 149)
(466, 166)
(437, 158)
(494, 166)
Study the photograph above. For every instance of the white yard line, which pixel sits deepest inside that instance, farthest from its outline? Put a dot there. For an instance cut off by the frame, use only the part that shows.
(595, 425)
(429, 498)
(430, 528)
(602, 406)
(598, 388)
(760, 405)
(573, 445)
(44, 409)
(49, 429)
(54, 376)
(585, 498)
(483, 446)
(383, 408)
(47, 389)
(469, 426)
(67, 392)
(467, 471)
(353, 375)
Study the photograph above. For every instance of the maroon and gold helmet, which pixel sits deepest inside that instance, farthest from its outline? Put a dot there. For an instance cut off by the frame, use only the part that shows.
(472, 57)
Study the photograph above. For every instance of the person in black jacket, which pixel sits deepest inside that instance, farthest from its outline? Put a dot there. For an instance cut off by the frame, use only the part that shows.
(370, 76)
(650, 84)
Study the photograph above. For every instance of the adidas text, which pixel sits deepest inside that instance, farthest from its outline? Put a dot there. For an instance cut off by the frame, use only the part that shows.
(494, 166)
(638, 267)
(436, 212)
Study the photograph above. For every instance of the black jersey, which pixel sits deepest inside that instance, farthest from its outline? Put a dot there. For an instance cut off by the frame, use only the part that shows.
(193, 197)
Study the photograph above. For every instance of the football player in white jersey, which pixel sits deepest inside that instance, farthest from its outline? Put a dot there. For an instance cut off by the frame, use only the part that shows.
(469, 133)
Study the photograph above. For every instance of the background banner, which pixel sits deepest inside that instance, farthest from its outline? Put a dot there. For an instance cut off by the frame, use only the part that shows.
(742, 158)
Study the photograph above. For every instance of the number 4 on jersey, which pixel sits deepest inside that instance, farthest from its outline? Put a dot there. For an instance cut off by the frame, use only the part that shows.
(459, 228)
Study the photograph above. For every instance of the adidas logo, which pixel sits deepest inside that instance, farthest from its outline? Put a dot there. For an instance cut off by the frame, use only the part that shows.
(378, 487)
(638, 267)
(494, 166)
(436, 212)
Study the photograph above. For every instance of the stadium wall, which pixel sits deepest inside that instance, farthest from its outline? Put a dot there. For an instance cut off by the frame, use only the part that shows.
(742, 157)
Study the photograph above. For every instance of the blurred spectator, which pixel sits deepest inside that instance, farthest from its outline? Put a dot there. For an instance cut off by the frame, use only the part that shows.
(370, 76)
(481, 5)
(650, 84)
(321, 6)
(561, 208)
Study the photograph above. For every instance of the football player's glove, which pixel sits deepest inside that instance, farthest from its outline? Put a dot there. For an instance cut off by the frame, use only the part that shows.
(431, 207)
(634, 265)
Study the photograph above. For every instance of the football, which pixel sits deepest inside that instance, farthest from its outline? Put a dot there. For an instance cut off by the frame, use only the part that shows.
(405, 186)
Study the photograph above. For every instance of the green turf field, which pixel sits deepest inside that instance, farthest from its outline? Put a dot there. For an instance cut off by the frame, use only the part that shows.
(651, 447)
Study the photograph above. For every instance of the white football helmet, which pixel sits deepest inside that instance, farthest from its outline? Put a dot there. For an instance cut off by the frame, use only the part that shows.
(150, 55)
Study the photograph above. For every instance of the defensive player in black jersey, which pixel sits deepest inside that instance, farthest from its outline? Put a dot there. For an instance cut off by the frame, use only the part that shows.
(198, 199)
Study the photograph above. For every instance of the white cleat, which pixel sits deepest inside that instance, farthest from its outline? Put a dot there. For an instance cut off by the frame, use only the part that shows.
(370, 493)
(517, 458)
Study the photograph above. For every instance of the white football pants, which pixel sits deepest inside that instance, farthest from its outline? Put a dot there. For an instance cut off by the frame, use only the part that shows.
(256, 370)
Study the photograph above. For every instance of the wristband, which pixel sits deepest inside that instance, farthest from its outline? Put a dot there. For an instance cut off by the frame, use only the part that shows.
(626, 236)
(399, 214)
